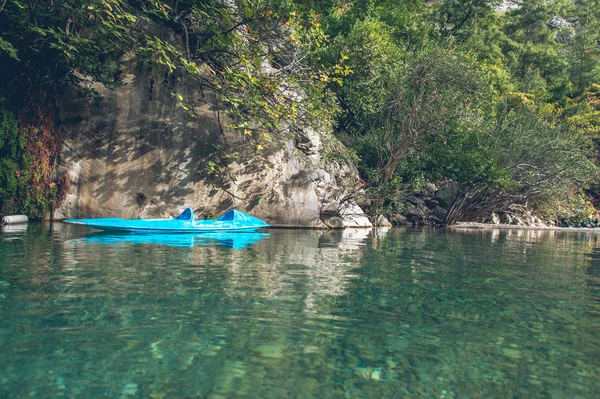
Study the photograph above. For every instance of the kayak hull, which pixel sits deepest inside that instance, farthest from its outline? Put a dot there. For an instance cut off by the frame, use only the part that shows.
(231, 221)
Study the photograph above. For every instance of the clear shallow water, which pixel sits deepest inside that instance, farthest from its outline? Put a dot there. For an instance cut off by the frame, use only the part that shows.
(301, 314)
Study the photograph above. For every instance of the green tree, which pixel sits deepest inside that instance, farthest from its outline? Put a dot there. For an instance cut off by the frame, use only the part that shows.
(435, 92)
(532, 52)
(460, 18)
(516, 158)
(585, 46)
(12, 147)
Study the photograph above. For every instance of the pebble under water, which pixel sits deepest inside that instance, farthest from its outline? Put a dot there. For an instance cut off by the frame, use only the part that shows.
(300, 314)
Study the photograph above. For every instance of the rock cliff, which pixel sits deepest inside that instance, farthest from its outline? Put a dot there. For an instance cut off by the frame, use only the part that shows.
(133, 152)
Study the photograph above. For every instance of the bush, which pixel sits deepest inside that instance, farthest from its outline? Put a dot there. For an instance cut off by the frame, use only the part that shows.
(28, 182)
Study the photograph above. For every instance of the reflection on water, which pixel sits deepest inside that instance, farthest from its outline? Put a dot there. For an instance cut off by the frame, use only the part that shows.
(228, 240)
(295, 313)
(13, 229)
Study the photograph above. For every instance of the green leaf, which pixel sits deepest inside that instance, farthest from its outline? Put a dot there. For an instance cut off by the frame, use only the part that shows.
(8, 48)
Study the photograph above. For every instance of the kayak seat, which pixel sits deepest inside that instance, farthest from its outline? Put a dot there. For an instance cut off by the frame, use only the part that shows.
(187, 214)
(227, 216)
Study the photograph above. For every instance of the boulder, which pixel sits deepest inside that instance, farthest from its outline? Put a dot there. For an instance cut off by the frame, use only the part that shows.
(505, 218)
(381, 221)
(364, 202)
(333, 222)
(414, 211)
(447, 192)
(517, 221)
(399, 219)
(494, 219)
(440, 212)
(429, 188)
(435, 220)
(353, 216)
(416, 201)
(431, 203)
(558, 23)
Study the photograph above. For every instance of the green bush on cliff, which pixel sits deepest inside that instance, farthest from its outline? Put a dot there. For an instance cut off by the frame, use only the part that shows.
(12, 145)
(8, 180)
(28, 183)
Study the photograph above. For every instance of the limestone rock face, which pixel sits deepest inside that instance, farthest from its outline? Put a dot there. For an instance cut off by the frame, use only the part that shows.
(134, 152)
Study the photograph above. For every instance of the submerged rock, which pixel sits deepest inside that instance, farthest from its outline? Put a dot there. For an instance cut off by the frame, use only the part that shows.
(269, 351)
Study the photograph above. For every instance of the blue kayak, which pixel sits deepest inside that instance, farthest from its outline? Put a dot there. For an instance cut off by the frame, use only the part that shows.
(231, 221)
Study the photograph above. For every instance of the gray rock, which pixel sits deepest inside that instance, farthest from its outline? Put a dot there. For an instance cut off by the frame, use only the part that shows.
(334, 222)
(431, 203)
(558, 23)
(364, 202)
(415, 211)
(494, 219)
(381, 221)
(353, 216)
(565, 35)
(398, 218)
(505, 218)
(435, 220)
(564, 30)
(416, 201)
(447, 192)
(440, 212)
(517, 221)
(430, 188)
(308, 141)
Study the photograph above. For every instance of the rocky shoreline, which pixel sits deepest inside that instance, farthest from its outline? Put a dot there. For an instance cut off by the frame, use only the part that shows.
(488, 226)
(429, 206)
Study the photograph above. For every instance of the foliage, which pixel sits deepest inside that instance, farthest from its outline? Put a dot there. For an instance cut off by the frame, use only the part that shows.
(76, 39)
(433, 94)
(573, 209)
(518, 159)
(12, 145)
(582, 114)
(28, 181)
(376, 61)
(254, 55)
(499, 108)
(503, 102)
(584, 48)
(459, 18)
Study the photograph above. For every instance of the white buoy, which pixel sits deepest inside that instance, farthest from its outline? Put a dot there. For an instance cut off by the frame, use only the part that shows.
(14, 219)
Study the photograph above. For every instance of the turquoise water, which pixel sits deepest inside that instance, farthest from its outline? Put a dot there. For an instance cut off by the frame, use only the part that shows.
(300, 314)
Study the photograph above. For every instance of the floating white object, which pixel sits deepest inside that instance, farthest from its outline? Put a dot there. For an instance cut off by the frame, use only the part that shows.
(14, 219)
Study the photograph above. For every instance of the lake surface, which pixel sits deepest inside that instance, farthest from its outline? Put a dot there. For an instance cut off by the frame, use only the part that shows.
(300, 314)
